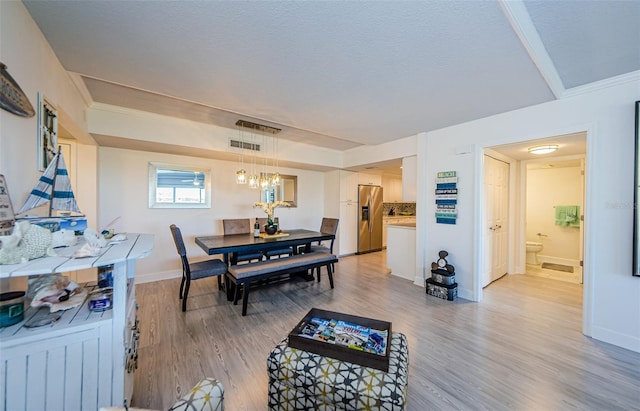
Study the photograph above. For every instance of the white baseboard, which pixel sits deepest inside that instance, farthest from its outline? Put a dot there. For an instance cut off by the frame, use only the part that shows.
(164, 275)
(629, 342)
(557, 260)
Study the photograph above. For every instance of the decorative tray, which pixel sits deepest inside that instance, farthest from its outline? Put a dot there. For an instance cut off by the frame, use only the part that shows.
(276, 235)
(338, 351)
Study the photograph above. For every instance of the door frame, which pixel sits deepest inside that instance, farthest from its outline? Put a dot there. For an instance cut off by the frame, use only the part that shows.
(590, 130)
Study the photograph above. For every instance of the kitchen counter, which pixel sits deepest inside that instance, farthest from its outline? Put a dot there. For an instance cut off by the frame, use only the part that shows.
(401, 249)
(403, 225)
(394, 219)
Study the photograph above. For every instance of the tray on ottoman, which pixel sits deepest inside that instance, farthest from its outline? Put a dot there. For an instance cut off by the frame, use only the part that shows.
(338, 351)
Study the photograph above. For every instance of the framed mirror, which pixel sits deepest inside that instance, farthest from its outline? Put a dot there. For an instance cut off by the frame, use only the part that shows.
(636, 195)
(177, 186)
(287, 191)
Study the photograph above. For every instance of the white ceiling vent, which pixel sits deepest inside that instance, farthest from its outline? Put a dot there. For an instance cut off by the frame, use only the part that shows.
(244, 145)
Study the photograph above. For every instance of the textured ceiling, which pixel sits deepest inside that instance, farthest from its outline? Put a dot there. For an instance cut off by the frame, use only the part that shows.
(337, 74)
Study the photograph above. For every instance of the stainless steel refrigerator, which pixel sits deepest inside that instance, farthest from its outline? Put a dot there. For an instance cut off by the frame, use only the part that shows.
(369, 218)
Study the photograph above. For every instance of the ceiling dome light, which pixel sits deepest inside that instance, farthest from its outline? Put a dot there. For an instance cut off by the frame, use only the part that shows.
(545, 149)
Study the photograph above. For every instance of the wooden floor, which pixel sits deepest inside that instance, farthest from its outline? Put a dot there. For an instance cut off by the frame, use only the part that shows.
(521, 348)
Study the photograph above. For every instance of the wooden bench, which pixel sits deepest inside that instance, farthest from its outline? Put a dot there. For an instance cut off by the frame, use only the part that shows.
(244, 274)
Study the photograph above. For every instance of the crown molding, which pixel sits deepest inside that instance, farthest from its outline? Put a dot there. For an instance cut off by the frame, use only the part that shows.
(520, 21)
(602, 84)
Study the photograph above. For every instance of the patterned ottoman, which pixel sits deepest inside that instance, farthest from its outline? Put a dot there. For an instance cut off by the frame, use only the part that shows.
(300, 380)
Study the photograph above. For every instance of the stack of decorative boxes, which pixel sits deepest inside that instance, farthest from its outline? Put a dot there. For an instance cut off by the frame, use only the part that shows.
(442, 283)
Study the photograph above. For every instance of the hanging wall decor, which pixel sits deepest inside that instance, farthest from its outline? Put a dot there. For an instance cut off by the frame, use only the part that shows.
(446, 197)
(12, 98)
(7, 218)
(47, 132)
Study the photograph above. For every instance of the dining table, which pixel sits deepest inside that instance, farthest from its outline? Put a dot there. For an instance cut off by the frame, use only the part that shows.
(230, 245)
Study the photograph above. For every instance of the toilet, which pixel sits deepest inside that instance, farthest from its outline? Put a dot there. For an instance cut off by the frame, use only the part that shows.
(533, 248)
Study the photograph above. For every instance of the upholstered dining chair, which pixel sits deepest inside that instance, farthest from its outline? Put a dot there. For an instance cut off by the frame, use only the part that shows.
(328, 226)
(241, 226)
(277, 251)
(194, 271)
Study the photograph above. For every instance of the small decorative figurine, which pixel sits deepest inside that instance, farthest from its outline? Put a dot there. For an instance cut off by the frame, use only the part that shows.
(442, 263)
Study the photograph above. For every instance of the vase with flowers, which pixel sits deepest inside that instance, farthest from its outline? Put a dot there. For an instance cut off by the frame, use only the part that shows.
(271, 227)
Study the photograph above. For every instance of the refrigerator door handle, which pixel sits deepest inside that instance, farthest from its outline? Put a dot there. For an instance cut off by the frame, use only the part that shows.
(369, 219)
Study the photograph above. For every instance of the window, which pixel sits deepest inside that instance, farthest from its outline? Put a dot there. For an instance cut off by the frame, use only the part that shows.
(176, 186)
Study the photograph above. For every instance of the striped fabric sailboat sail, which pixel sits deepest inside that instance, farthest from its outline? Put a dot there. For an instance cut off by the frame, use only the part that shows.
(54, 187)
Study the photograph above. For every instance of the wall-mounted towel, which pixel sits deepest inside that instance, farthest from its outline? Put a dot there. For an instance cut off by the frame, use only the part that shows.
(567, 216)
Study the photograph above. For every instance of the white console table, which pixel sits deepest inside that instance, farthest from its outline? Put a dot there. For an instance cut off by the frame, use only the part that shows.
(86, 359)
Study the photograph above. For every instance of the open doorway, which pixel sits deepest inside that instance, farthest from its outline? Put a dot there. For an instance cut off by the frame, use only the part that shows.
(554, 225)
(540, 190)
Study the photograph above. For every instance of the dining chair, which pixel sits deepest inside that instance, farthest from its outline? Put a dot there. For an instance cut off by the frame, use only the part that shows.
(328, 226)
(277, 251)
(241, 226)
(194, 271)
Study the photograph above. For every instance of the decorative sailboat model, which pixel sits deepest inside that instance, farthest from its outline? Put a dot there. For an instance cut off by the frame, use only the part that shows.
(53, 187)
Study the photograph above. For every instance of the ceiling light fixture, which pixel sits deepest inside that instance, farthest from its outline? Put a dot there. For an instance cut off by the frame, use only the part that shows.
(266, 178)
(241, 174)
(544, 149)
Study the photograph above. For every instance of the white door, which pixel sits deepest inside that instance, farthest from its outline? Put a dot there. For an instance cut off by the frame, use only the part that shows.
(496, 186)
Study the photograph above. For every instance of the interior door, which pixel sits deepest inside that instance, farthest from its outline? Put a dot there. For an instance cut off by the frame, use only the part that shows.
(496, 235)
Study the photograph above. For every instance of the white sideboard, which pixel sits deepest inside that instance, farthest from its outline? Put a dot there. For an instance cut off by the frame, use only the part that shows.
(86, 359)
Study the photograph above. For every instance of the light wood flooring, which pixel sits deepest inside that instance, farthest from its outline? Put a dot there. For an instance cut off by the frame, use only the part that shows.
(521, 348)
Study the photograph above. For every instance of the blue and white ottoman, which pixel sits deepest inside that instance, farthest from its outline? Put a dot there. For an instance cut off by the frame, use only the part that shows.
(300, 380)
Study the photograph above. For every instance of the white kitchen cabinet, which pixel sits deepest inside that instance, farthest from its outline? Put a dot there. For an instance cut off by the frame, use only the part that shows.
(86, 359)
(369, 179)
(347, 227)
(392, 186)
(348, 186)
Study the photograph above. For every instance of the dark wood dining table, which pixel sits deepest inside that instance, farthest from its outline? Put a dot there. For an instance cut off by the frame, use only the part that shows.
(231, 244)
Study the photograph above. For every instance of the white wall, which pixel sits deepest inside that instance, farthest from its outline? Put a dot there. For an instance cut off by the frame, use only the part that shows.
(149, 127)
(611, 294)
(402, 147)
(32, 63)
(124, 193)
(547, 188)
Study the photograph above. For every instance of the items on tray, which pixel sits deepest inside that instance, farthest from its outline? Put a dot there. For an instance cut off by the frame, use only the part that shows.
(346, 333)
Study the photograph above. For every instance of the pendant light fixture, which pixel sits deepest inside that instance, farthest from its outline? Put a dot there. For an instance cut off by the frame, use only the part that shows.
(275, 177)
(265, 179)
(241, 174)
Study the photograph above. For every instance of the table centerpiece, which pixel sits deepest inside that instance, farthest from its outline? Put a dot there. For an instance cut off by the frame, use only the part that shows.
(271, 227)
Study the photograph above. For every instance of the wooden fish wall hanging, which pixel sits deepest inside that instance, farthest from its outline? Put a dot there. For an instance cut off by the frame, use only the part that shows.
(12, 98)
